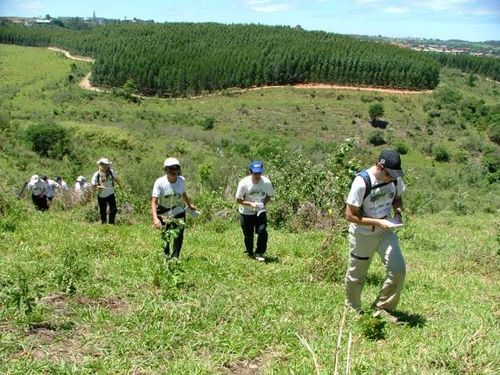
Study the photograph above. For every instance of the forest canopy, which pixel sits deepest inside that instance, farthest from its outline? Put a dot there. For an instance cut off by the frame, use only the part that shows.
(179, 59)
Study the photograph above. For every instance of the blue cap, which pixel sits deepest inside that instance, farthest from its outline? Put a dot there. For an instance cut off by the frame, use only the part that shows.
(256, 166)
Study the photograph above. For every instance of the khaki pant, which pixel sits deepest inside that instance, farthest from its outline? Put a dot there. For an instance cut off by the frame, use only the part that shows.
(362, 247)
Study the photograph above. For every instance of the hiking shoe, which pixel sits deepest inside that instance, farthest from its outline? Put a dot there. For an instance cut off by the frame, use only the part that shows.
(378, 312)
(259, 258)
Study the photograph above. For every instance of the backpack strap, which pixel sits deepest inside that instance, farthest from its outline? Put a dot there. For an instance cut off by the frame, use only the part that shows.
(111, 175)
(368, 183)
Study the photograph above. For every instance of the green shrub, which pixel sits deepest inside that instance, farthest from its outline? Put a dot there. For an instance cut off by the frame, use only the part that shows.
(448, 95)
(401, 147)
(376, 138)
(207, 123)
(49, 140)
(492, 164)
(441, 154)
(375, 111)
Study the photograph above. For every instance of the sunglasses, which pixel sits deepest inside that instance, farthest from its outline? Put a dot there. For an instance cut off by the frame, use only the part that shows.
(173, 168)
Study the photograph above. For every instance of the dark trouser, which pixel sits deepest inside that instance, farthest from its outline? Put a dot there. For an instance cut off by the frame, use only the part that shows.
(40, 202)
(257, 224)
(178, 239)
(103, 205)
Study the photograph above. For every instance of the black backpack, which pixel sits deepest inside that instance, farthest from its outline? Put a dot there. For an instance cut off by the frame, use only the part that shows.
(110, 174)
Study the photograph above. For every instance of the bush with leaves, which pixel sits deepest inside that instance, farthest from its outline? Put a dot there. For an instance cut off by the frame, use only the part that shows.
(376, 138)
(298, 180)
(441, 154)
(375, 111)
(401, 147)
(49, 140)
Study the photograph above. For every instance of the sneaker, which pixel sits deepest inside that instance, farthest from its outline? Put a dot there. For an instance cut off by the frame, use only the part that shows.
(386, 315)
(260, 258)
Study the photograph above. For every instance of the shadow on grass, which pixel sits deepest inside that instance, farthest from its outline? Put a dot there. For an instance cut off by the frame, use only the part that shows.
(378, 123)
(411, 320)
(269, 259)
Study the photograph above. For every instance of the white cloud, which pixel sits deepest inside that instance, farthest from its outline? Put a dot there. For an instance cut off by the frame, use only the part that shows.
(31, 6)
(268, 6)
(395, 10)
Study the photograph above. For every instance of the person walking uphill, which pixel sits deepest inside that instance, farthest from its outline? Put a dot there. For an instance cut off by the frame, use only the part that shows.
(104, 182)
(38, 192)
(371, 230)
(167, 209)
(253, 193)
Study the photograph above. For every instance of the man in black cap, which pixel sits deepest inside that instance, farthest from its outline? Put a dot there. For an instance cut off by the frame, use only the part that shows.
(374, 193)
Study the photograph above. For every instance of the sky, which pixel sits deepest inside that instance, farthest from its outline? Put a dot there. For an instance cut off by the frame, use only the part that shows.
(473, 20)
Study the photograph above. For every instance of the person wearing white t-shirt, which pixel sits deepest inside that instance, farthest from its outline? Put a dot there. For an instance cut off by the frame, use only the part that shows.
(370, 230)
(253, 193)
(51, 187)
(81, 185)
(167, 205)
(62, 184)
(38, 192)
(103, 181)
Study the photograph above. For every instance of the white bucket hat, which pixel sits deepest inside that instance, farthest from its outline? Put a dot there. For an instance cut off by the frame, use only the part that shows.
(169, 162)
(104, 161)
(80, 178)
(34, 179)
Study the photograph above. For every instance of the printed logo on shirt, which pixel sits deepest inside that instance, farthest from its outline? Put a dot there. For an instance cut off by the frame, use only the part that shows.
(256, 194)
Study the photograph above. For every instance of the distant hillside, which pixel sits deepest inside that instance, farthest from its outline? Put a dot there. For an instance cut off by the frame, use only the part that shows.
(180, 59)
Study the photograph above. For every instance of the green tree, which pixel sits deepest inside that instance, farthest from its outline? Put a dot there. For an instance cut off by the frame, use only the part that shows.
(375, 111)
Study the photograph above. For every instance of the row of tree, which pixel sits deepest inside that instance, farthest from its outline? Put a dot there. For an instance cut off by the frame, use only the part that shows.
(485, 66)
(177, 59)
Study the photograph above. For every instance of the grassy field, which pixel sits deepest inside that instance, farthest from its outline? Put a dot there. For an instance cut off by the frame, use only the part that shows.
(78, 297)
(84, 298)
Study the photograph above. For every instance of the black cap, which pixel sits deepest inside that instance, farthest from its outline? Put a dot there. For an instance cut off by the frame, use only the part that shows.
(391, 161)
(57, 178)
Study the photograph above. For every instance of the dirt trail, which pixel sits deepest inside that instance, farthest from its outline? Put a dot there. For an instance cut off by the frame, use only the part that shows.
(70, 56)
(86, 85)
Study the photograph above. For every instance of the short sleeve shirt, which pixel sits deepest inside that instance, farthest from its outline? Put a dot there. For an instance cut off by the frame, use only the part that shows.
(108, 184)
(169, 194)
(51, 186)
(251, 192)
(39, 188)
(377, 204)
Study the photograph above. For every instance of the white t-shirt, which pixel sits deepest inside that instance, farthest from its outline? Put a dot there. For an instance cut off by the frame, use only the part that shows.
(378, 204)
(39, 188)
(251, 192)
(51, 186)
(169, 194)
(63, 185)
(107, 183)
(80, 187)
